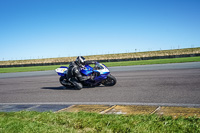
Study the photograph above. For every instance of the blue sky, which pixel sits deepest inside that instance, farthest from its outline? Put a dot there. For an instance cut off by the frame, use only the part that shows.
(31, 29)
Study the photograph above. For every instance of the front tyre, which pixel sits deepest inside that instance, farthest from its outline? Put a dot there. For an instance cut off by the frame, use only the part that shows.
(110, 81)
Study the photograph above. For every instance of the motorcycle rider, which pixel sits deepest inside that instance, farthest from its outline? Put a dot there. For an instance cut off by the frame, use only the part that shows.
(74, 74)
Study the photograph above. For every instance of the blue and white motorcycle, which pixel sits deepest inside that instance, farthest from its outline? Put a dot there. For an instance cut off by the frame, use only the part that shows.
(100, 74)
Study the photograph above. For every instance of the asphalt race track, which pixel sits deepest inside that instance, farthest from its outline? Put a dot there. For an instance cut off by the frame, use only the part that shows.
(169, 84)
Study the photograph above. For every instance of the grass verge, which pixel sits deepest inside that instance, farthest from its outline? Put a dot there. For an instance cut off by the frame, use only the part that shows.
(109, 64)
(31, 122)
(155, 61)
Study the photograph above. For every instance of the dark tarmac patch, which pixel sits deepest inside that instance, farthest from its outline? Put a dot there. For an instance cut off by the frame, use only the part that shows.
(31, 107)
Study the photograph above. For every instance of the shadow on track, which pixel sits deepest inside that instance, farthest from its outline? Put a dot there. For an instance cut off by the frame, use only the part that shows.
(59, 88)
(68, 88)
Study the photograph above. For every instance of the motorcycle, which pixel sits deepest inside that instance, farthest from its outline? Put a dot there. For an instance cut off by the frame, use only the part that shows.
(100, 73)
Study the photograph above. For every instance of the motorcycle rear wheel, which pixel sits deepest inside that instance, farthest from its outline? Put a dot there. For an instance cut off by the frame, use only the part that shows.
(110, 81)
(61, 79)
(75, 84)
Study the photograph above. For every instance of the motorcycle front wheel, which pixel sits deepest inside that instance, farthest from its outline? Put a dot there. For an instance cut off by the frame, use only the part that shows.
(110, 81)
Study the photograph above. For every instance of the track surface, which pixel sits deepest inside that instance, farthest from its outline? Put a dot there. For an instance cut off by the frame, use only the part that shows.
(165, 84)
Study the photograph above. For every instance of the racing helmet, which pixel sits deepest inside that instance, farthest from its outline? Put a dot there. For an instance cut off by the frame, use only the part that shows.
(80, 60)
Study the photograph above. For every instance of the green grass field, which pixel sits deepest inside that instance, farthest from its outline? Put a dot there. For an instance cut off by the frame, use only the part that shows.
(37, 122)
(109, 64)
(156, 61)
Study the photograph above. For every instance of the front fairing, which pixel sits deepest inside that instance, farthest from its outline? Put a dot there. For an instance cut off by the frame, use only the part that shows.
(100, 69)
(104, 72)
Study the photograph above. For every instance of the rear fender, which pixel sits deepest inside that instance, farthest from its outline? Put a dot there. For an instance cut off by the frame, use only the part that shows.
(62, 71)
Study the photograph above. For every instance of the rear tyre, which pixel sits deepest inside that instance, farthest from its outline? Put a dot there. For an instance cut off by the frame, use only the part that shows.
(110, 81)
(63, 79)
